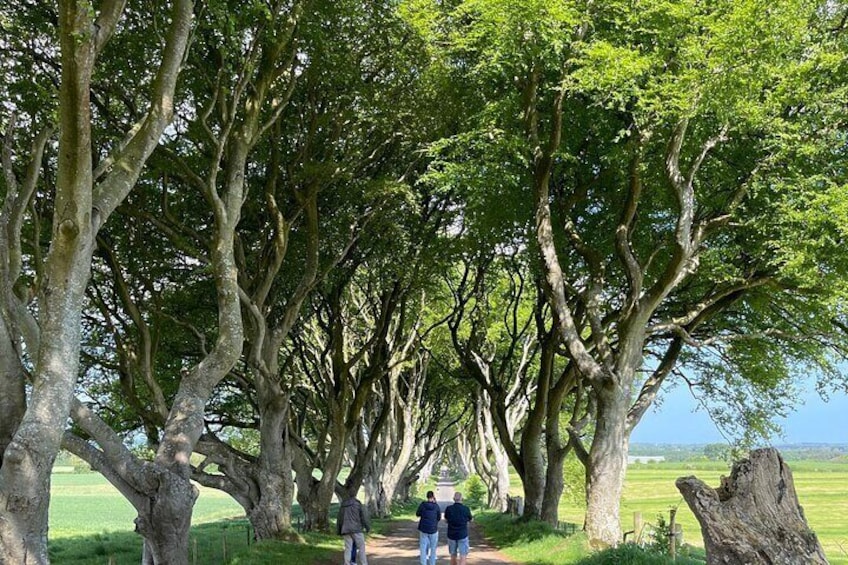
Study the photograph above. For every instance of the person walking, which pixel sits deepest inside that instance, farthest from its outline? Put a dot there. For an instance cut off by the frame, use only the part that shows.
(457, 515)
(351, 524)
(428, 528)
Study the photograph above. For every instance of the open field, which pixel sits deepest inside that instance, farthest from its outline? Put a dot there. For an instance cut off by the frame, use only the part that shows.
(87, 504)
(90, 522)
(822, 491)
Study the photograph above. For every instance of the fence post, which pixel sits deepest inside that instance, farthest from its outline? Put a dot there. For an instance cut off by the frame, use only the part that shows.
(672, 537)
(224, 544)
(637, 527)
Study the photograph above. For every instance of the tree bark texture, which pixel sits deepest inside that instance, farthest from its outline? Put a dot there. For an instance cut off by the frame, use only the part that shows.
(165, 523)
(271, 513)
(554, 485)
(606, 468)
(754, 516)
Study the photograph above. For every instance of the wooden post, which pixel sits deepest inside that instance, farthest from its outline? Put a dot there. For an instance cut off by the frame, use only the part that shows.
(194, 552)
(224, 544)
(672, 538)
(637, 527)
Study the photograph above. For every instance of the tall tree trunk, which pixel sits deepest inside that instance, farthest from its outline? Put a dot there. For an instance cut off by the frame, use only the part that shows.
(494, 473)
(534, 487)
(271, 514)
(500, 487)
(166, 522)
(315, 503)
(401, 430)
(607, 465)
(28, 459)
(316, 495)
(162, 498)
(554, 485)
(533, 460)
(555, 450)
(80, 210)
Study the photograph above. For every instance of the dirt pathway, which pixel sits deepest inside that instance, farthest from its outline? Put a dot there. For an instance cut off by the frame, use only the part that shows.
(399, 544)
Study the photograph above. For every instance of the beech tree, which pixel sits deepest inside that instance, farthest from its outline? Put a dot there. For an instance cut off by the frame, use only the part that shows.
(501, 333)
(248, 94)
(85, 197)
(651, 143)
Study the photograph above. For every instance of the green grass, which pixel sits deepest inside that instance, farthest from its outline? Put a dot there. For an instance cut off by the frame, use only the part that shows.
(533, 543)
(86, 504)
(209, 545)
(822, 489)
(630, 554)
(315, 548)
(91, 523)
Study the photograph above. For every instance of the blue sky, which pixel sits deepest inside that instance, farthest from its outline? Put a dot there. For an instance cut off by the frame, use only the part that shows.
(680, 421)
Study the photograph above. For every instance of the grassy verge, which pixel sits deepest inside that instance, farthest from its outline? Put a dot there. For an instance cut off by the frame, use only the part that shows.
(635, 555)
(315, 548)
(537, 543)
(209, 544)
(531, 543)
(649, 489)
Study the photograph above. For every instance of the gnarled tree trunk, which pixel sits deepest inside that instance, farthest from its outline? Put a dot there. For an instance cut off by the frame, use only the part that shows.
(754, 516)
(271, 513)
(166, 522)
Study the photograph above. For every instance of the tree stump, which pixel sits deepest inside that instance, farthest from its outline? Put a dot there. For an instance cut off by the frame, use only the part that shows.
(754, 517)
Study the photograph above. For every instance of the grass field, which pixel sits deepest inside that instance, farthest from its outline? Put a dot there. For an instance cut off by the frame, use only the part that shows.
(649, 488)
(92, 524)
(86, 504)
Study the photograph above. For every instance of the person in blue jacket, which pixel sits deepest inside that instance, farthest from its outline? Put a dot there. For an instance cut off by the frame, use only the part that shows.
(457, 515)
(428, 528)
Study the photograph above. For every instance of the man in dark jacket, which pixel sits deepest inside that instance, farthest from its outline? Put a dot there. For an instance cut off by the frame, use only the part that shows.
(428, 528)
(457, 515)
(351, 524)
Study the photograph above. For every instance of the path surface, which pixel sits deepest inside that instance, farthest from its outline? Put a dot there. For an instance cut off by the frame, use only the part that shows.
(399, 545)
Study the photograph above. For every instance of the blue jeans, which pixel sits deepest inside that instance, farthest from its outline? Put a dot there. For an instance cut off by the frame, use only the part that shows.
(428, 543)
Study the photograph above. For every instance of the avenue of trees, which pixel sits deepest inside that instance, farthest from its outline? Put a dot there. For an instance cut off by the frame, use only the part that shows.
(292, 249)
